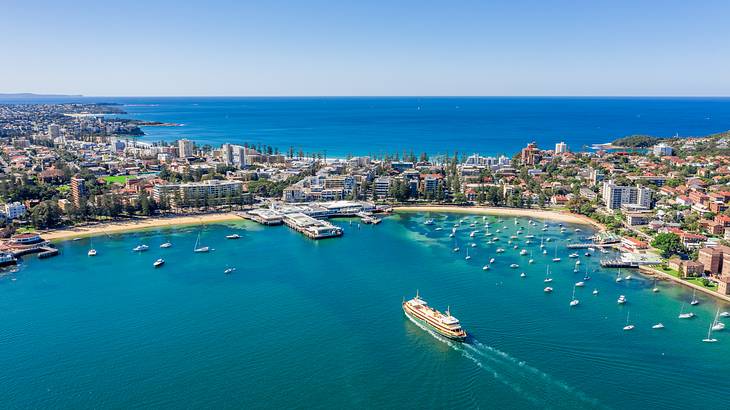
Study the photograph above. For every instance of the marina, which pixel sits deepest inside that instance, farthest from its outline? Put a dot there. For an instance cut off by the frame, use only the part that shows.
(324, 285)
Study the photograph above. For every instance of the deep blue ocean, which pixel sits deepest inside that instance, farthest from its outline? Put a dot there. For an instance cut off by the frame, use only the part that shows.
(318, 324)
(374, 125)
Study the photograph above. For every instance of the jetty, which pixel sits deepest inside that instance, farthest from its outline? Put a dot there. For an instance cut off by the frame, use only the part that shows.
(28, 243)
(311, 227)
(631, 260)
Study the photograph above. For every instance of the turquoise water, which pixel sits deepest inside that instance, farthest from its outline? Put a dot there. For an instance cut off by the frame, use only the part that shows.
(436, 125)
(318, 324)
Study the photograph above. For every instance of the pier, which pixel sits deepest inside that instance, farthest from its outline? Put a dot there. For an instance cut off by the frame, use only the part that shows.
(589, 245)
(631, 260)
(311, 227)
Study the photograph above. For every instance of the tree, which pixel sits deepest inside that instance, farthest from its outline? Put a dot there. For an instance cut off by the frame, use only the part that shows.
(669, 243)
(47, 214)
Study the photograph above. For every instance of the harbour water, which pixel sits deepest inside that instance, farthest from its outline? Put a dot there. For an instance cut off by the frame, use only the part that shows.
(376, 125)
(313, 324)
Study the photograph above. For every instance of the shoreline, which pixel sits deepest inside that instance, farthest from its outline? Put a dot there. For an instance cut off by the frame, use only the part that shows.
(110, 227)
(567, 217)
(649, 271)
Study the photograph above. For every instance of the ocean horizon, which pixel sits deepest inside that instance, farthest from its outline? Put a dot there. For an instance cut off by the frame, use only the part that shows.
(341, 126)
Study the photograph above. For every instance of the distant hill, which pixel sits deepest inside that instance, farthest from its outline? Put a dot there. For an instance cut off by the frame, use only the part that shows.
(636, 141)
(22, 96)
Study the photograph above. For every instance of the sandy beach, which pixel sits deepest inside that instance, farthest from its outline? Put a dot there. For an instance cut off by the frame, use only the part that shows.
(131, 225)
(566, 217)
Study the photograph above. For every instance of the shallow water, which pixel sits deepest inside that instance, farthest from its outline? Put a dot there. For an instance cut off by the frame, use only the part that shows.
(307, 324)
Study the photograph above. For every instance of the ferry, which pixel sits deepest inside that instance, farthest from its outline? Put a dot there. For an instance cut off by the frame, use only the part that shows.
(7, 259)
(444, 324)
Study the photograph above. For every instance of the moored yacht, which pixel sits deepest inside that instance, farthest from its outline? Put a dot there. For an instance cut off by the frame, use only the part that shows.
(140, 248)
(158, 263)
(233, 236)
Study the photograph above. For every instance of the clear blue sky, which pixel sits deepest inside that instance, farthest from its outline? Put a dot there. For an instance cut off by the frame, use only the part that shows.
(422, 47)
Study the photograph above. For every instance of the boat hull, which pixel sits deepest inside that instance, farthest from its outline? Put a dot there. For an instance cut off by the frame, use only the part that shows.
(442, 332)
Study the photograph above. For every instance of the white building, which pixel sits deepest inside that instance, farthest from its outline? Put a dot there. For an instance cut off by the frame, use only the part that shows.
(215, 191)
(561, 148)
(14, 210)
(662, 150)
(185, 148)
(227, 152)
(615, 195)
(381, 187)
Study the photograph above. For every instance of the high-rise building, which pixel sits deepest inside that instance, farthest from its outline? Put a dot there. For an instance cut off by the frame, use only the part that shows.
(78, 190)
(185, 148)
(54, 131)
(531, 154)
(561, 148)
(615, 195)
(227, 151)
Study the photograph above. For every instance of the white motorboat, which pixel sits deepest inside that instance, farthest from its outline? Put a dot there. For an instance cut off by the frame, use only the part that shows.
(166, 245)
(158, 263)
(140, 248)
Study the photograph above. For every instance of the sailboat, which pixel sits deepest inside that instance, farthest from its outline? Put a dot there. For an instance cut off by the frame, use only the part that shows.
(574, 301)
(655, 289)
(628, 326)
(682, 315)
(556, 259)
(694, 298)
(618, 276)
(548, 279)
(542, 242)
(467, 257)
(531, 261)
(228, 271)
(456, 246)
(716, 324)
(198, 248)
(595, 292)
(586, 277)
(92, 251)
(709, 338)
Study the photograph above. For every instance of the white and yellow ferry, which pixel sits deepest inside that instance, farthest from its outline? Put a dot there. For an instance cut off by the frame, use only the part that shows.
(443, 323)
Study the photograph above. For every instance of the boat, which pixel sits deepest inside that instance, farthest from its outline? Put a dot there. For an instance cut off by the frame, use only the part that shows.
(724, 314)
(473, 245)
(658, 326)
(140, 248)
(467, 257)
(628, 326)
(683, 315)
(523, 252)
(556, 259)
(580, 284)
(621, 300)
(574, 301)
(158, 263)
(595, 292)
(587, 254)
(166, 245)
(471, 235)
(491, 260)
(514, 266)
(573, 255)
(618, 276)
(547, 279)
(591, 249)
(655, 289)
(548, 289)
(709, 338)
(716, 324)
(428, 222)
(437, 229)
(694, 299)
(500, 250)
(233, 236)
(92, 251)
(523, 275)
(628, 277)
(456, 246)
(485, 267)
(229, 271)
(444, 324)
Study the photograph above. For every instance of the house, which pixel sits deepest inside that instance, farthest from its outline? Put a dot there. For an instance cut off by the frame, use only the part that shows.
(692, 268)
(633, 244)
